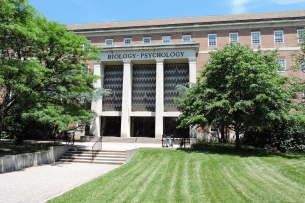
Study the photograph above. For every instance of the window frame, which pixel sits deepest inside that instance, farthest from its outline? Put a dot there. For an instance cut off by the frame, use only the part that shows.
(143, 40)
(285, 66)
(302, 65)
(276, 36)
(86, 47)
(299, 33)
(213, 128)
(259, 38)
(167, 41)
(230, 38)
(209, 40)
(108, 41)
(126, 39)
(186, 36)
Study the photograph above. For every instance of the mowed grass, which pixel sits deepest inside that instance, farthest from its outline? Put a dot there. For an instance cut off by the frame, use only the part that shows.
(207, 176)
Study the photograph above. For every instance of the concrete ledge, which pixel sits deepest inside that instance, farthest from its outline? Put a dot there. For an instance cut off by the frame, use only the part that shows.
(130, 154)
(21, 161)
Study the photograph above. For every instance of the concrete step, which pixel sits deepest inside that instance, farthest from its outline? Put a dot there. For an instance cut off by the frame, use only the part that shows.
(148, 140)
(95, 158)
(102, 157)
(93, 162)
(96, 155)
(101, 153)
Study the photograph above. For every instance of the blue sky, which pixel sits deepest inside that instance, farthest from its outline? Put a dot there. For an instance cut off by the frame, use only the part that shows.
(91, 11)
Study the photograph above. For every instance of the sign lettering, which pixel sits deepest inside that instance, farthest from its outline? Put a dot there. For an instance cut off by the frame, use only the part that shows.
(147, 55)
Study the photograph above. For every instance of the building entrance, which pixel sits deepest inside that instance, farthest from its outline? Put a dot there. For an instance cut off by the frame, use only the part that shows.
(143, 127)
(170, 128)
(111, 126)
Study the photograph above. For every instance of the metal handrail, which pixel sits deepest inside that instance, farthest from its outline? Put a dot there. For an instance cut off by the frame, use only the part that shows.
(96, 147)
(169, 139)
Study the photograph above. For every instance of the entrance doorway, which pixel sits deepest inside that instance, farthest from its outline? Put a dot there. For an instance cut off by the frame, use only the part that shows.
(142, 126)
(111, 126)
(170, 128)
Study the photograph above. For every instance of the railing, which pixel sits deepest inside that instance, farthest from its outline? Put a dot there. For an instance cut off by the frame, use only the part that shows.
(171, 139)
(96, 147)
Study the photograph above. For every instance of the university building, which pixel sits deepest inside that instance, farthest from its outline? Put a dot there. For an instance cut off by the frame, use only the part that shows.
(143, 62)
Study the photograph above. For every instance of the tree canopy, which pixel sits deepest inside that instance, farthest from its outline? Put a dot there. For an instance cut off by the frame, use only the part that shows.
(238, 88)
(43, 72)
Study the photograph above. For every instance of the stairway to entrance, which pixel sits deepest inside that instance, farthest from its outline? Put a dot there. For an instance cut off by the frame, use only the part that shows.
(102, 157)
(147, 140)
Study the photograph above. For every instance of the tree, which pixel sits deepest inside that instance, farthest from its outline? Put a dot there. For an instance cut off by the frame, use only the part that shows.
(43, 75)
(239, 88)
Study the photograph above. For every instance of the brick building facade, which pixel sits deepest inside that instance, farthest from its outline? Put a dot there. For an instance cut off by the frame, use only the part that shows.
(143, 61)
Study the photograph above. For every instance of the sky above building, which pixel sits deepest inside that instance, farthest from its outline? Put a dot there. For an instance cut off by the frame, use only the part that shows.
(92, 11)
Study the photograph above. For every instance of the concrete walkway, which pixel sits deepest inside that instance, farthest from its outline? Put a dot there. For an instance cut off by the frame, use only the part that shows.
(39, 184)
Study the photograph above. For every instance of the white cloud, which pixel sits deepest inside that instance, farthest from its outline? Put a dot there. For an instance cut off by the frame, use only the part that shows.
(286, 2)
(239, 6)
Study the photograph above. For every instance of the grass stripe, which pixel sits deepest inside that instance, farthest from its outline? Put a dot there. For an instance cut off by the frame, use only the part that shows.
(173, 183)
(136, 181)
(141, 195)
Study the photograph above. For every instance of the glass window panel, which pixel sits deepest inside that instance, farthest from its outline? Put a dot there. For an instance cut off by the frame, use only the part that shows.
(212, 39)
(256, 37)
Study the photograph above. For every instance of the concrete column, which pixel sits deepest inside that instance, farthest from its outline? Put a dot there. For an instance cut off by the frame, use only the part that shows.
(159, 98)
(192, 70)
(96, 106)
(126, 98)
(192, 77)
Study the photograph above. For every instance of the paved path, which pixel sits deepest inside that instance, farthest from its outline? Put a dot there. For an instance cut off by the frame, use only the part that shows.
(38, 184)
(41, 183)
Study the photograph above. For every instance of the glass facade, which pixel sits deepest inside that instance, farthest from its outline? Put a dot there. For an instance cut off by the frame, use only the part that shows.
(144, 88)
(174, 74)
(113, 80)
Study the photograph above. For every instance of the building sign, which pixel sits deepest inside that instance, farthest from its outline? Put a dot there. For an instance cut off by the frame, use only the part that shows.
(147, 55)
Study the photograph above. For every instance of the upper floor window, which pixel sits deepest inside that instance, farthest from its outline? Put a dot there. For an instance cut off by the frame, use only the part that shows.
(166, 39)
(108, 41)
(282, 63)
(279, 36)
(186, 38)
(233, 37)
(86, 69)
(256, 37)
(127, 40)
(300, 33)
(212, 39)
(146, 40)
(87, 47)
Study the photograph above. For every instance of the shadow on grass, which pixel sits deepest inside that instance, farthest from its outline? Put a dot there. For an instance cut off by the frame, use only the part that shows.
(229, 149)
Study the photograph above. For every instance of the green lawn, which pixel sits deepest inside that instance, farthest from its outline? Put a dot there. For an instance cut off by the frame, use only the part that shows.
(206, 176)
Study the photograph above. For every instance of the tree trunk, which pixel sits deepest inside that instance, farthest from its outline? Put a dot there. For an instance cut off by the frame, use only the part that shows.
(1, 125)
(222, 133)
(237, 140)
(55, 129)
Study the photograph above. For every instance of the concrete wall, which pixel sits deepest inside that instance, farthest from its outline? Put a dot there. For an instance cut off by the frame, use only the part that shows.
(21, 161)
(130, 154)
